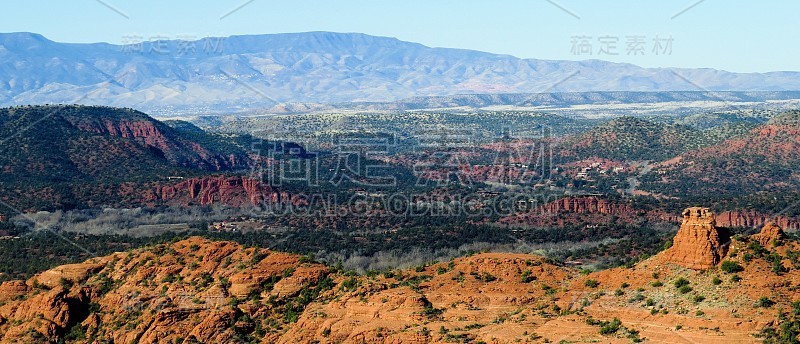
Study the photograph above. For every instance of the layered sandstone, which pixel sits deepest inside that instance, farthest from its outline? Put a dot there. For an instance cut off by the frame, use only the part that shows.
(228, 190)
(71, 273)
(754, 219)
(153, 134)
(579, 207)
(697, 244)
(588, 205)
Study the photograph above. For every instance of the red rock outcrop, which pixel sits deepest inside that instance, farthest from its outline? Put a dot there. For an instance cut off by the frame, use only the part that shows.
(150, 133)
(754, 219)
(582, 207)
(11, 289)
(697, 244)
(589, 205)
(229, 190)
(769, 234)
(196, 290)
(72, 273)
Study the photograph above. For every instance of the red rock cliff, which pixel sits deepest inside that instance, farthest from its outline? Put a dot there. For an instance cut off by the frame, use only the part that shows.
(177, 150)
(590, 205)
(233, 191)
(754, 219)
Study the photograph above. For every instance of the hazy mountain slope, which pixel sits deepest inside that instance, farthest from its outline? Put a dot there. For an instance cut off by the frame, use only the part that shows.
(58, 150)
(628, 138)
(243, 72)
(765, 159)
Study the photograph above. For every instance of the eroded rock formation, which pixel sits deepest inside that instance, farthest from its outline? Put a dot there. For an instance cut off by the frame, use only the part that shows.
(590, 205)
(228, 190)
(769, 234)
(196, 290)
(697, 245)
(754, 219)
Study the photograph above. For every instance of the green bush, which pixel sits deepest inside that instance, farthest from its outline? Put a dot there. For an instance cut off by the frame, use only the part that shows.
(731, 267)
(611, 327)
(487, 277)
(765, 302)
(591, 283)
(349, 284)
(527, 276)
(680, 282)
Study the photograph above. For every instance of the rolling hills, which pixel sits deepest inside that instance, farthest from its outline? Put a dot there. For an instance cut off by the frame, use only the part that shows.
(636, 139)
(764, 159)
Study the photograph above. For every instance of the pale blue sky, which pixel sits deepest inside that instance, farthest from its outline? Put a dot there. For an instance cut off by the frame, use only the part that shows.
(735, 35)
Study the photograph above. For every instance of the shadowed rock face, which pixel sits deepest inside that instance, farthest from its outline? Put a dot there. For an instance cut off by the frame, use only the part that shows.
(697, 244)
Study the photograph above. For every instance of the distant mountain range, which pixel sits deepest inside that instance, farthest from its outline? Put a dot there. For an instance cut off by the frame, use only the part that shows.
(240, 73)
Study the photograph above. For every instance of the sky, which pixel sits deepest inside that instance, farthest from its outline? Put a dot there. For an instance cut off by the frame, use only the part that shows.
(734, 35)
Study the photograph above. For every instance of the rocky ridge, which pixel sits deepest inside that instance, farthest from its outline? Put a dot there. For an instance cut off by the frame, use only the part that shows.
(198, 290)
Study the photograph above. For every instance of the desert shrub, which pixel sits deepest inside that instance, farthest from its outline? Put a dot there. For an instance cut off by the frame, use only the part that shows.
(777, 263)
(757, 249)
(788, 329)
(527, 276)
(485, 277)
(731, 267)
(765, 302)
(428, 310)
(636, 298)
(680, 282)
(349, 284)
(610, 327)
